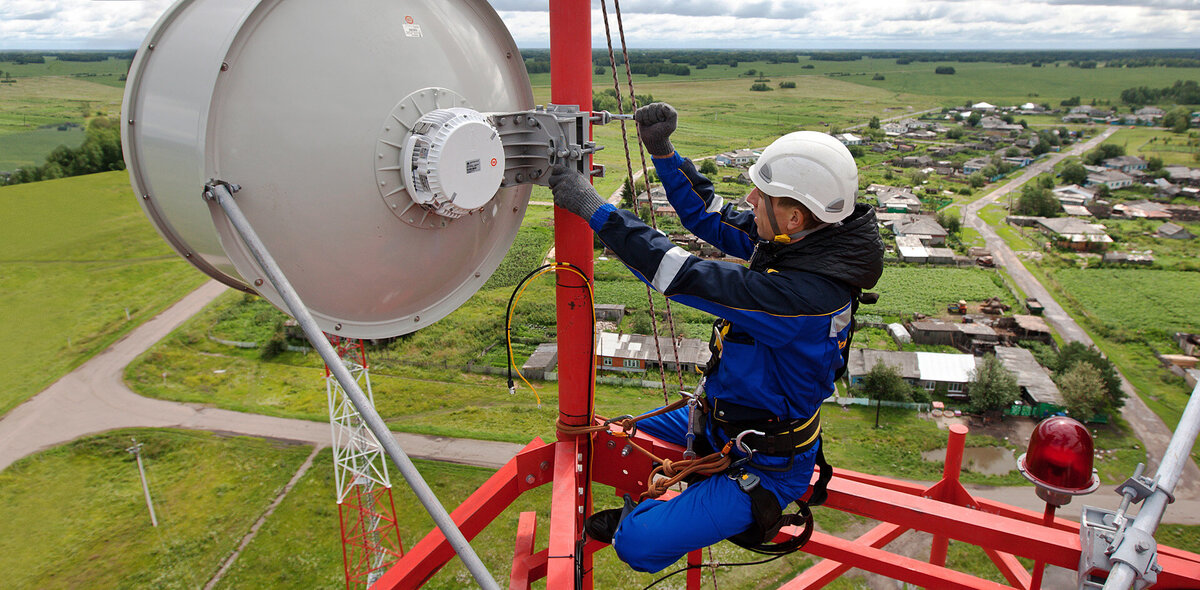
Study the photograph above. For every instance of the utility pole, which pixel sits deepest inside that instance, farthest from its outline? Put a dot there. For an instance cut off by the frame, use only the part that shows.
(136, 449)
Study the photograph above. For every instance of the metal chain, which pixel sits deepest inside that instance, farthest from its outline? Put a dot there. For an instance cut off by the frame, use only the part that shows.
(612, 60)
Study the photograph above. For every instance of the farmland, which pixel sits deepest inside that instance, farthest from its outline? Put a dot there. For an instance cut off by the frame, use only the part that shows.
(905, 290)
(1159, 301)
(1144, 142)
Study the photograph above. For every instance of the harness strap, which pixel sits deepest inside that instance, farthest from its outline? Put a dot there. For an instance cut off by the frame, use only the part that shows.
(768, 520)
(784, 438)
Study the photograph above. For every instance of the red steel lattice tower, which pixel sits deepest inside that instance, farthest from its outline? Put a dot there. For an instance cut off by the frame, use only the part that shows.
(366, 513)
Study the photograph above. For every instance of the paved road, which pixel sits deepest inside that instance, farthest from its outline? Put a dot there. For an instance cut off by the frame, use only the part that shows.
(1149, 427)
(93, 398)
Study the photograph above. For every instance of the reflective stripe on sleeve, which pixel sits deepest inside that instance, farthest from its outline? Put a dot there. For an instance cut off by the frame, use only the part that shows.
(715, 205)
(668, 268)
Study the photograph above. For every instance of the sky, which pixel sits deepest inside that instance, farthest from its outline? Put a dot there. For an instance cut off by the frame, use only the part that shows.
(724, 24)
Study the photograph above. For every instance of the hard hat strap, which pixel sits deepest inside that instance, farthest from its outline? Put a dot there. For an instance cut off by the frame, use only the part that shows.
(770, 202)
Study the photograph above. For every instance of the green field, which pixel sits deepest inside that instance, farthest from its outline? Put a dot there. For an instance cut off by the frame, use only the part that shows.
(1175, 149)
(1135, 300)
(76, 255)
(28, 149)
(49, 100)
(904, 290)
(75, 516)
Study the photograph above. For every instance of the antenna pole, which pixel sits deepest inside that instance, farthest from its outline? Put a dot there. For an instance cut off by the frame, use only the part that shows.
(571, 84)
(220, 193)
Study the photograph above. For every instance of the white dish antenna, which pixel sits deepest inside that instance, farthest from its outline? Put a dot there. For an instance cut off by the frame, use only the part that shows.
(354, 131)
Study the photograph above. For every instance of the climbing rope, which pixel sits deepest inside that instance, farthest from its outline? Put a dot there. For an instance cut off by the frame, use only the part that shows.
(670, 472)
(612, 60)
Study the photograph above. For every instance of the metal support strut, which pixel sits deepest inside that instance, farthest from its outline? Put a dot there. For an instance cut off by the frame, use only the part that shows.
(222, 194)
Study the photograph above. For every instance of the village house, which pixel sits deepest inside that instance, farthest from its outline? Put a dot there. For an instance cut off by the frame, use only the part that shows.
(923, 227)
(927, 370)
(1183, 175)
(1114, 179)
(849, 139)
(1026, 327)
(1172, 231)
(1074, 234)
(998, 124)
(1126, 164)
(975, 165)
(894, 129)
(637, 353)
(740, 158)
(968, 337)
(1141, 209)
(1037, 388)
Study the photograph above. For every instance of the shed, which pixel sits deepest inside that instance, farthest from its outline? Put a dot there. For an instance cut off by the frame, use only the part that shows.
(953, 370)
(543, 359)
(862, 360)
(1037, 387)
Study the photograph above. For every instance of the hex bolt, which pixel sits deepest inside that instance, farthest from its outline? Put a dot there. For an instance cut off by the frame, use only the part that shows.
(625, 451)
(612, 444)
(544, 465)
(529, 479)
(1141, 547)
(337, 327)
(258, 282)
(224, 66)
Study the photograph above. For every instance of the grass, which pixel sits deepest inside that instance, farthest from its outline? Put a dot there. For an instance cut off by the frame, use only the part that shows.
(994, 216)
(1134, 300)
(45, 100)
(29, 148)
(905, 289)
(77, 255)
(1147, 142)
(75, 515)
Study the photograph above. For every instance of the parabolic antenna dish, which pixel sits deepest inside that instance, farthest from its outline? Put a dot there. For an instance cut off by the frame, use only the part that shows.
(309, 106)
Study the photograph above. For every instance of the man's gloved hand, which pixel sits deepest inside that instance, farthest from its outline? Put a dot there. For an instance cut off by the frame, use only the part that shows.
(573, 192)
(656, 121)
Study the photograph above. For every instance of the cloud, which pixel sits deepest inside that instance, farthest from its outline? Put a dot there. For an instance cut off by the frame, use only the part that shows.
(1163, 4)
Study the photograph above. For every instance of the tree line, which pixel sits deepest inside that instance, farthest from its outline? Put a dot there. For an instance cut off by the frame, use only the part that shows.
(38, 57)
(1181, 92)
(100, 152)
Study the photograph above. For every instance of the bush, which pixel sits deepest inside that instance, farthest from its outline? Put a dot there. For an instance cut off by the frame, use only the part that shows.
(947, 70)
(760, 87)
(787, 84)
(877, 77)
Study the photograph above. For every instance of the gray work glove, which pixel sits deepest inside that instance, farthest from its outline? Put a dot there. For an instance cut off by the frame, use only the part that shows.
(573, 192)
(656, 121)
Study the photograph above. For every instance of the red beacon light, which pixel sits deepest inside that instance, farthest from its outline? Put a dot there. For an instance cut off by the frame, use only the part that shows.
(1059, 460)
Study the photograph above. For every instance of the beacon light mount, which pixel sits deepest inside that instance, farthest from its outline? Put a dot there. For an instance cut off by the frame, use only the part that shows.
(1059, 460)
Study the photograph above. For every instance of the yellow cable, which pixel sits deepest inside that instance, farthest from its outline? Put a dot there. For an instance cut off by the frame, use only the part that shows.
(508, 320)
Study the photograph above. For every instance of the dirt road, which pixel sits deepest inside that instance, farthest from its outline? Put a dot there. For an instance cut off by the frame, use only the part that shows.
(1146, 424)
(94, 398)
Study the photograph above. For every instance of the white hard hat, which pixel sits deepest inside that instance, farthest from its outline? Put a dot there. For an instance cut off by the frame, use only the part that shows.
(812, 168)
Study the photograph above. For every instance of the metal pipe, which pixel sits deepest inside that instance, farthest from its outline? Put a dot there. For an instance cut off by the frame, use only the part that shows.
(219, 193)
(1150, 515)
(1039, 566)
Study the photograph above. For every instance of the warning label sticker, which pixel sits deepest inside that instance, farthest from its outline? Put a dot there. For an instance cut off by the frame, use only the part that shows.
(472, 166)
(412, 30)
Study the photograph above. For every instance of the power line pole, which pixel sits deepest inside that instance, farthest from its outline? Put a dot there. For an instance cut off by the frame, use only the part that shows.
(136, 449)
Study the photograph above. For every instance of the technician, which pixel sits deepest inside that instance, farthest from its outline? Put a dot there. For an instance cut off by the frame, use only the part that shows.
(784, 322)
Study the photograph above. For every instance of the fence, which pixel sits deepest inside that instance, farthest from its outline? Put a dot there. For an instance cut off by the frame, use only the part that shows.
(863, 401)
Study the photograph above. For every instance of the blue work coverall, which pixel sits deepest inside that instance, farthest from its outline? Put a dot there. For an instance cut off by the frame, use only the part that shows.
(790, 313)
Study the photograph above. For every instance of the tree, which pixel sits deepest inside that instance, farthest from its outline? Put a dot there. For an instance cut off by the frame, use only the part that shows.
(1103, 152)
(1045, 180)
(974, 119)
(884, 383)
(992, 387)
(708, 167)
(1083, 393)
(977, 179)
(1154, 164)
(948, 218)
(599, 70)
(873, 123)
(947, 70)
(1102, 191)
(1038, 201)
(1074, 173)
(1076, 352)
(954, 133)
(1177, 119)
(760, 87)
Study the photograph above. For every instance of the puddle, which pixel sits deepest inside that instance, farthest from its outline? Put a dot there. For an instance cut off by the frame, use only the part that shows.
(985, 460)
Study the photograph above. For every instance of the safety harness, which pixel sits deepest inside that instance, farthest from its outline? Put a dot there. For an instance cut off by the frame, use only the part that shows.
(758, 431)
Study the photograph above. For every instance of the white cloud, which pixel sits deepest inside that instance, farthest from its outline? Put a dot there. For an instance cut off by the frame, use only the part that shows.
(775, 24)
